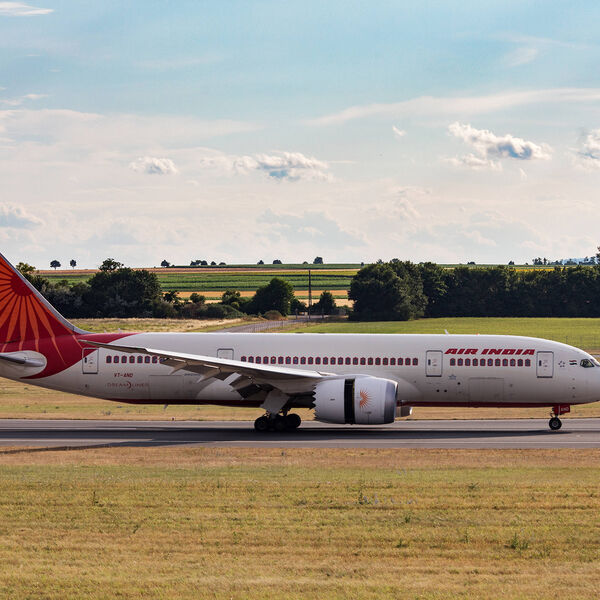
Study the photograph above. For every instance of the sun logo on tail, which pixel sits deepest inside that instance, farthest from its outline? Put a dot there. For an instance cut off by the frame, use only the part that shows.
(364, 398)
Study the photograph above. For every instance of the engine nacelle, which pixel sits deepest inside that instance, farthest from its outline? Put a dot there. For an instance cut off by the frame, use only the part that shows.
(361, 400)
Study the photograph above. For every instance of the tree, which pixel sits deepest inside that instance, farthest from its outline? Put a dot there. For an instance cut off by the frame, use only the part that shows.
(387, 292)
(276, 295)
(318, 260)
(260, 262)
(277, 262)
(123, 292)
(297, 306)
(73, 263)
(213, 263)
(325, 305)
(25, 269)
(110, 264)
(54, 264)
(165, 263)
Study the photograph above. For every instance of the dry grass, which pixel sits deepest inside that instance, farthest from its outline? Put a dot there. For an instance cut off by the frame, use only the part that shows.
(263, 523)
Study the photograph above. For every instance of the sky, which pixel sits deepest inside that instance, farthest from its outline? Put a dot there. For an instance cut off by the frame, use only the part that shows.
(240, 131)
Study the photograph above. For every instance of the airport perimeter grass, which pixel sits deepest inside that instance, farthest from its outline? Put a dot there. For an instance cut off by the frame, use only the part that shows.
(177, 523)
(583, 333)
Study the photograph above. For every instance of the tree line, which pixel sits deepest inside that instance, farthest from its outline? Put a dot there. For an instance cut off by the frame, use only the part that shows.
(401, 290)
(119, 291)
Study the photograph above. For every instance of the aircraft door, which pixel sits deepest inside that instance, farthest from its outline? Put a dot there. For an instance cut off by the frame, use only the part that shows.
(545, 364)
(89, 361)
(226, 353)
(433, 364)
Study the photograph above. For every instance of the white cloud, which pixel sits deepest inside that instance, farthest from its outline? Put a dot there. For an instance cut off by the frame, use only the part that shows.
(588, 155)
(398, 133)
(489, 146)
(289, 166)
(154, 166)
(21, 99)
(464, 105)
(16, 217)
(18, 9)
(521, 56)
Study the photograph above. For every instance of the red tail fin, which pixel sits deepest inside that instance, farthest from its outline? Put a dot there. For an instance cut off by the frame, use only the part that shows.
(25, 315)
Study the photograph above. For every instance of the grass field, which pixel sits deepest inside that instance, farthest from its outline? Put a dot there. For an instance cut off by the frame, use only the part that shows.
(583, 333)
(163, 523)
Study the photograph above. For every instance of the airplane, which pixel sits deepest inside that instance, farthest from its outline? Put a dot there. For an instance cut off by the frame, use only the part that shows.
(345, 378)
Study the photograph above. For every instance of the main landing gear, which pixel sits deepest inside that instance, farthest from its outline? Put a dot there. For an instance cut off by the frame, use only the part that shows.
(277, 423)
(560, 409)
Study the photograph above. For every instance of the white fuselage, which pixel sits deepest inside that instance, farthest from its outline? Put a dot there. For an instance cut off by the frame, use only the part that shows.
(462, 370)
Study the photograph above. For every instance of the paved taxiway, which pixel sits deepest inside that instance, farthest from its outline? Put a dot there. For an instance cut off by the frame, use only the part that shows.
(519, 433)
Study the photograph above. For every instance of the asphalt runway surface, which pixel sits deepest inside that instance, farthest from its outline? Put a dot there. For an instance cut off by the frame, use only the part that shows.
(518, 433)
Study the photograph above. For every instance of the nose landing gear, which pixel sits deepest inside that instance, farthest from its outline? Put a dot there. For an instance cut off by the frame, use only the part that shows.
(555, 423)
(560, 409)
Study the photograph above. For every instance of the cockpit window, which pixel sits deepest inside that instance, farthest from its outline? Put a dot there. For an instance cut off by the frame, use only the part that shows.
(586, 363)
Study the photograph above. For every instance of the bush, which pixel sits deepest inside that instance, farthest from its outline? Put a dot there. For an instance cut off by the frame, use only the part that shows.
(273, 315)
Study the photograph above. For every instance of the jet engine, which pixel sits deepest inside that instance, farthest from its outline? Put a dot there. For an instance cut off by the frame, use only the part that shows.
(361, 400)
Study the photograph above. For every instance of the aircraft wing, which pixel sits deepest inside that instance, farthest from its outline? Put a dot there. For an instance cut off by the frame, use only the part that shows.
(289, 381)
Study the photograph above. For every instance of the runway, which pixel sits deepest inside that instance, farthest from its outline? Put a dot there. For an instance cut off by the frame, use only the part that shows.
(518, 433)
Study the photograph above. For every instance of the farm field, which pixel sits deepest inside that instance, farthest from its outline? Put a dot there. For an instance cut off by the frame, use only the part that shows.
(169, 522)
(19, 400)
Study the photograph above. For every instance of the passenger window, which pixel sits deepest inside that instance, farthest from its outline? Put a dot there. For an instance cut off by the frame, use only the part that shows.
(385, 361)
(452, 362)
(265, 360)
(340, 360)
(377, 361)
(369, 361)
(497, 362)
(400, 361)
(288, 360)
(116, 359)
(310, 360)
(280, 360)
(333, 360)
(258, 360)
(109, 359)
(243, 358)
(393, 362)
(513, 362)
(490, 362)
(527, 362)
(251, 359)
(146, 359)
(295, 361)
(140, 359)
(475, 362)
(303, 360)
(407, 363)
(520, 362)
(415, 362)
(273, 360)
(154, 360)
(467, 362)
(317, 360)
(348, 360)
(355, 361)
(362, 360)
(505, 362)
(460, 362)
(325, 360)
(482, 363)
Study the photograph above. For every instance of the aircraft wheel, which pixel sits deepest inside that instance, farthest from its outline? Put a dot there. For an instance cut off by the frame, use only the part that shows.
(280, 424)
(555, 423)
(261, 424)
(293, 421)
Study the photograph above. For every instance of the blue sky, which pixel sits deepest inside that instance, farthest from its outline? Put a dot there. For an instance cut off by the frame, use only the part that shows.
(240, 131)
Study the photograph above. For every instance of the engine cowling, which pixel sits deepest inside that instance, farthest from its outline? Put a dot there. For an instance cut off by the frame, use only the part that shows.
(360, 400)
